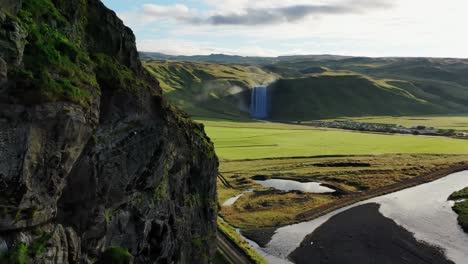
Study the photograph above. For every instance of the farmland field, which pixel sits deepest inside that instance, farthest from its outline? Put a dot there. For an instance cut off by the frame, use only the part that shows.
(351, 161)
(255, 140)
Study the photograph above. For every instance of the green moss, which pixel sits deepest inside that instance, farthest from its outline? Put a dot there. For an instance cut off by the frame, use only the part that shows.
(55, 68)
(113, 75)
(22, 254)
(39, 245)
(108, 214)
(18, 255)
(161, 191)
(43, 10)
(115, 255)
(197, 242)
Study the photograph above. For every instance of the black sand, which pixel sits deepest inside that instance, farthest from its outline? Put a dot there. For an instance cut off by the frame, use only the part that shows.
(362, 235)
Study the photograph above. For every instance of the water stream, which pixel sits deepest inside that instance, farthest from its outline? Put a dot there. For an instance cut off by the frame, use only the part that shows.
(423, 210)
(231, 201)
(288, 185)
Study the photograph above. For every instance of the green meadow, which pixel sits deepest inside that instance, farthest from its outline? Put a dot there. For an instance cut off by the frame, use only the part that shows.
(255, 140)
(352, 161)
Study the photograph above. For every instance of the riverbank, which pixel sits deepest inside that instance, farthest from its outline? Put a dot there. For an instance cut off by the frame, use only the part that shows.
(262, 236)
(363, 235)
(460, 198)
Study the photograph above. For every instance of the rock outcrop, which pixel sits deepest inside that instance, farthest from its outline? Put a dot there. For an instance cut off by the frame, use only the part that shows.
(95, 166)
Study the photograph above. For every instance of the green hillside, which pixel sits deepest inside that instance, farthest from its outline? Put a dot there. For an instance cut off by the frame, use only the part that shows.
(316, 87)
(439, 81)
(325, 96)
(209, 90)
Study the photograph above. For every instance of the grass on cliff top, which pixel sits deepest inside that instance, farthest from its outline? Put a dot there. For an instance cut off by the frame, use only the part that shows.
(458, 122)
(256, 140)
(55, 67)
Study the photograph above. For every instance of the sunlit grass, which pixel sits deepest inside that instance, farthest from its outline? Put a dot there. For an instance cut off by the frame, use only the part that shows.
(237, 140)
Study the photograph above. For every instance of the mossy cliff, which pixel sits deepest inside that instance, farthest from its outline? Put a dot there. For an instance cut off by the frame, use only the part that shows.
(94, 164)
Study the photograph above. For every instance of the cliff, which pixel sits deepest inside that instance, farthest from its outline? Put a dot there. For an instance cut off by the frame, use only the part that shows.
(95, 166)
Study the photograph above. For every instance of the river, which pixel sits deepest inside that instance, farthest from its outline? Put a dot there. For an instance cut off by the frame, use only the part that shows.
(423, 210)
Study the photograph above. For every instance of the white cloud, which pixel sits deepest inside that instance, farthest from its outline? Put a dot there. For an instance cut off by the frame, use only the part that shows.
(177, 11)
(263, 12)
(409, 28)
(187, 47)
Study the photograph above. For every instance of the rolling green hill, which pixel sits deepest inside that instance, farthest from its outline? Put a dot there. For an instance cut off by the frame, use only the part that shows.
(209, 90)
(315, 87)
(441, 82)
(327, 96)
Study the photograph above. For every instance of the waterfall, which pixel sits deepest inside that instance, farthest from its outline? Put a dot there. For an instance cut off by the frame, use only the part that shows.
(259, 102)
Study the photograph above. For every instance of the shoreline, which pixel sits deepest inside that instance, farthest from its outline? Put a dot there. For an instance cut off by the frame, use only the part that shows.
(262, 236)
(364, 235)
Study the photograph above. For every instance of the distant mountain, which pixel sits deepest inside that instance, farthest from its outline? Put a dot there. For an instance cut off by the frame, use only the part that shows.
(318, 86)
(235, 59)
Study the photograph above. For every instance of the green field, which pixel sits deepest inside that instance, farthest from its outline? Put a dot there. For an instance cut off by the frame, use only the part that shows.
(442, 122)
(242, 140)
(352, 161)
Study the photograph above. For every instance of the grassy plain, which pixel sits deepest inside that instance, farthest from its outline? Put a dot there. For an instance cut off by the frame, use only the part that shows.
(255, 140)
(351, 161)
(353, 174)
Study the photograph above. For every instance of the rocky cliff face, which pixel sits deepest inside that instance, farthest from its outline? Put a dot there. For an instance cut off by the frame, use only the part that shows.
(95, 167)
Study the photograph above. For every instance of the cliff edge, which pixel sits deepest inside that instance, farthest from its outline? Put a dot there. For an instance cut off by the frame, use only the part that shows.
(95, 166)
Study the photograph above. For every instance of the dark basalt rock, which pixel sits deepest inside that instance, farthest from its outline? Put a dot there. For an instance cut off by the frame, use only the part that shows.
(126, 170)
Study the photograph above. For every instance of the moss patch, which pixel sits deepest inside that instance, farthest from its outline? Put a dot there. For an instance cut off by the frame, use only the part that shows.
(18, 255)
(55, 68)
(22, 254)
(113, 75)
(115, 255)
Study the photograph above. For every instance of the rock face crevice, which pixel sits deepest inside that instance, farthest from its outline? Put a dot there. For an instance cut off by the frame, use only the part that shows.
(97, 166)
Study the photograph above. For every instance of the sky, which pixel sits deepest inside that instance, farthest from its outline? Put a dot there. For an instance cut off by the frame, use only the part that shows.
(375, 28)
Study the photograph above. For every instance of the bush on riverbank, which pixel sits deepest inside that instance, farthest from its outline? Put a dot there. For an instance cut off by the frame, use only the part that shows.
(461, 208)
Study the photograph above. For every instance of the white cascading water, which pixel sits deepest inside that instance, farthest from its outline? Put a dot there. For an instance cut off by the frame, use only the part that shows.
(259, 102)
